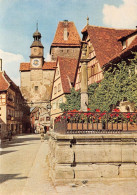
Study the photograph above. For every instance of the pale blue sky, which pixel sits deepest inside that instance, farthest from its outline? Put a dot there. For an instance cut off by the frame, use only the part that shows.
(18, 23)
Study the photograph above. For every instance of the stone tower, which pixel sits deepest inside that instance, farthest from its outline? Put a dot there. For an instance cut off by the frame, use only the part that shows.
(66, 42)
(36, 57)
(37, 75)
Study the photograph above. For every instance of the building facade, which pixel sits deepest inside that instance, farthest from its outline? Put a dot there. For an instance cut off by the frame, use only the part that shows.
(14, 113)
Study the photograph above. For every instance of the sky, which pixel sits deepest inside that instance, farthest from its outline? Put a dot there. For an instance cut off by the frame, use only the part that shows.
(18, 20)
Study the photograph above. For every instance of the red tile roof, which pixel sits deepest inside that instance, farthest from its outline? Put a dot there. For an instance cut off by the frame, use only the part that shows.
(24, 66)
(67, 72)
(5, 82)
(46, 66)
(4, 85)
(73, 36)
(49, 66)
(105, 41)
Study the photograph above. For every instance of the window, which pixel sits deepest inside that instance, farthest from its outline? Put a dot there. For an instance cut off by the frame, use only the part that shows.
(124, 44)
(47, 118)
(36, 88)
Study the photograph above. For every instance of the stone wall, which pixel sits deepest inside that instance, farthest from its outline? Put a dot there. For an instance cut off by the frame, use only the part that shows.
(89, 157)
(68, 52)
(36, 85)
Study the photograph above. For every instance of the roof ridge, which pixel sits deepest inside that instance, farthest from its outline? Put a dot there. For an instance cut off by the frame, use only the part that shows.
(111, 27)
(5, 78)
(10, 81)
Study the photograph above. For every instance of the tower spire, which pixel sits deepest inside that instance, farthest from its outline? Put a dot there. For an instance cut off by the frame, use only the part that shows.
(37, 26)
(87, 20)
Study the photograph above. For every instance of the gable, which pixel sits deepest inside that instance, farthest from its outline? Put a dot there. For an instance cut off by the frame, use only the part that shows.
(57, 88)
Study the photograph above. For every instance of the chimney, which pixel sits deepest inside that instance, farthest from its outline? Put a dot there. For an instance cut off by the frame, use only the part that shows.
(65, 30)
(65, 34)
(65, 23)
(0, 65)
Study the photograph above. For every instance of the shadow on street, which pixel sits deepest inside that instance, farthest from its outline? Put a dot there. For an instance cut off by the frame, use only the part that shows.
(5, 177)
(6, 152)
(19, 140)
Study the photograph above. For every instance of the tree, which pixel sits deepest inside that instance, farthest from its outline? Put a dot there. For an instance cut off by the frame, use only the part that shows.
(72, 101)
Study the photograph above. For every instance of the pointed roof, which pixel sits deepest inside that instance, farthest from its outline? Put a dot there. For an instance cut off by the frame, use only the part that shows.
(6, 82)
(67, 68)
(105, 41)
(73, 35)
(37, 39)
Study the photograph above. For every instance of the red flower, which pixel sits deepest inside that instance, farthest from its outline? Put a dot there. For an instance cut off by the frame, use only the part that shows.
(116, 110)
(97, 110)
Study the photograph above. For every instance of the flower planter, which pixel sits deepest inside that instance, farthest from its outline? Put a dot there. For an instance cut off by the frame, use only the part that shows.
(119, 126)
(99, 126)
(131, 127)
(84, 126)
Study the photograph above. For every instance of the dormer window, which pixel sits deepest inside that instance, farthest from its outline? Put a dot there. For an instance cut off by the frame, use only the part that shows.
(124, 44)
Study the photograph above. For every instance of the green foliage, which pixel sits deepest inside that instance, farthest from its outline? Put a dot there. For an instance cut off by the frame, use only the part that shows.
(119, 84)
(72, 101)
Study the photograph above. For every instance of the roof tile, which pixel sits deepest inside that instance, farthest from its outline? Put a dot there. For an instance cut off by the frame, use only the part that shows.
(4, 85)
(67, 72)
(5, 82)
(24, 66)
(105, 41)
(49, 66)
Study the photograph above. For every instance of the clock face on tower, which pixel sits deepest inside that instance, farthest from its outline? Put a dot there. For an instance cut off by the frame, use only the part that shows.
(36, 62)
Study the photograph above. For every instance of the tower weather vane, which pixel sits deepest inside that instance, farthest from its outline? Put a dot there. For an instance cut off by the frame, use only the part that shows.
(87, 20)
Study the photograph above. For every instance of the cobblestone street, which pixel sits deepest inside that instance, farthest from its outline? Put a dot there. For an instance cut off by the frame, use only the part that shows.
(23, 171)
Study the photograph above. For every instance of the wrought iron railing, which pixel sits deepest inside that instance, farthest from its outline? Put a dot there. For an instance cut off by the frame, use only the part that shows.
(95, 122)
